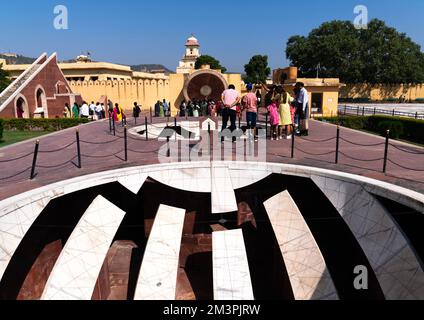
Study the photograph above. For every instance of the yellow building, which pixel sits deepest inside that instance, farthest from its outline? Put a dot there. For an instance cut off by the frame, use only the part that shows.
(323, 93)
(120, 84)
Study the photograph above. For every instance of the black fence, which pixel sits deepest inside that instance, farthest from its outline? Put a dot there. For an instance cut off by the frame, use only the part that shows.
(373, 111)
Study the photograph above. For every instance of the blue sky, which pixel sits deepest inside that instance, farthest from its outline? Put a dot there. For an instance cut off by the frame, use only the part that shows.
(154, 31)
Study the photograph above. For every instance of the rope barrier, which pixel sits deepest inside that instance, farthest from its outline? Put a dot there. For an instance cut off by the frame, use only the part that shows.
(55, 166)
(406, 151)
(19, 158)
(356, 159)
(15, 175)
(315, 154)
(404, 167)
(100, 143)
(57, 150)
(316, 141)
(362, 145)
(102, 156)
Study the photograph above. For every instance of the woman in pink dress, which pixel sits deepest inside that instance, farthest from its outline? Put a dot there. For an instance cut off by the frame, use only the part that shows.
(274, 119)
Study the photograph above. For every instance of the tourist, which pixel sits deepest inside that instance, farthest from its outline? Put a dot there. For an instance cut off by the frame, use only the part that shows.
(250, 103)
(161, 110)
(219, 107)
(204, 108)
(99, 111)
(136, 110)
(110, 108)
(66, 112)
(284, 101)
(212, 108)
(165, 108)
(117, 113)
(190, 108)
(183, 109)
(157, 109)
(230, 98)
(302, 109)
(92, 110)
(274, 119)
(196, 108)
(75, 111)
(85, 111)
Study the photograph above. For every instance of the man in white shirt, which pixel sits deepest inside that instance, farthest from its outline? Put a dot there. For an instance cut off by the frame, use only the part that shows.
(230, 99)
(85, 110)
(302, 100)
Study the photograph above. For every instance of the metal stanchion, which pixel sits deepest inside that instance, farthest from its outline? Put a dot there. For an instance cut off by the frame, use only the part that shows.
(168, 152)
(34, 160)
(78, 149)
(386, 151)
(292, 146)
(126, 143)
(114, 127)
(147, 129)
(151, 115)
(266, 126)
(337, 145)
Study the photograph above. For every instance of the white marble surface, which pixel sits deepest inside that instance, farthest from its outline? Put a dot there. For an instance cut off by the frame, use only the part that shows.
(304, 262)
(77, 269)
(158, 275)
(394, 262)
(155, 130)
(231, 274)
(18, 213)
(223, 196)
(133, 182)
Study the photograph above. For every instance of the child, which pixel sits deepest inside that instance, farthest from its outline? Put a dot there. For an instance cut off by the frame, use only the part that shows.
(274, 119)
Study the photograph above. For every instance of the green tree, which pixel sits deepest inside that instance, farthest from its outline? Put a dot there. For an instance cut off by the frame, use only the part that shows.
(4, 78)
(214, 63)
(257, 70)
(379, 54)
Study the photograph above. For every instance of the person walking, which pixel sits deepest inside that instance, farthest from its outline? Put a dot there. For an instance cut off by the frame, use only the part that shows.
(136, 111)
(230, 98)
(85, 111)
(66, 112)
(157, 109)
(165, 108)
(250, 103)
(183, 109)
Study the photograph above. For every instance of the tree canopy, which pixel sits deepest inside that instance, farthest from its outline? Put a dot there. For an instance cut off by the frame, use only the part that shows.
(257, 70)
(214, 63)
(379, 54)
(4, 78)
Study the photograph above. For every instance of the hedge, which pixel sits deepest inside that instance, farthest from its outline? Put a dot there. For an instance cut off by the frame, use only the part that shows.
(49, 125)
(400, 128)
(1, 129)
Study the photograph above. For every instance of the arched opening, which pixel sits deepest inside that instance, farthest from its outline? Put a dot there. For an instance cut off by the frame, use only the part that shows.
(41, 103)
(21, 108)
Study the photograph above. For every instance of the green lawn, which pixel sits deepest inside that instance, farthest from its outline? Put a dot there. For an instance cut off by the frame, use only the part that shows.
(11, 137)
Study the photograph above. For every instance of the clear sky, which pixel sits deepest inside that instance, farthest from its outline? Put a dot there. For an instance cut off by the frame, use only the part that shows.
(154, 31)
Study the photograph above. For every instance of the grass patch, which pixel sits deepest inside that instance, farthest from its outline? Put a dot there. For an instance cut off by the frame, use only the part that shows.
(11, 137)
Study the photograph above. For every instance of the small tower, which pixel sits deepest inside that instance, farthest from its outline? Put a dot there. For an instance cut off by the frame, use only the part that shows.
(187, 64)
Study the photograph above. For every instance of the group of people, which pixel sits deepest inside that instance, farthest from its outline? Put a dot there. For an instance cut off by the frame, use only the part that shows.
(200, 108)
(162, 109)
(288, 114)
(98, 111)
(95, 111)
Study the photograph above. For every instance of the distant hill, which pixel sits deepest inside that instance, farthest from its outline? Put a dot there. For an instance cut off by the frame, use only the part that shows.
(150, 68)
(18, 59)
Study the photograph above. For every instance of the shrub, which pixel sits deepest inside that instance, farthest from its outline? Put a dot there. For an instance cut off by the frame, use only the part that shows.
(400, 128)
(1, 129)
(41, 124)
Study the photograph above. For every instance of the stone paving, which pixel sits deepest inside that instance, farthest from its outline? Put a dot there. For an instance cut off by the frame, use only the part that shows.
(360, 153)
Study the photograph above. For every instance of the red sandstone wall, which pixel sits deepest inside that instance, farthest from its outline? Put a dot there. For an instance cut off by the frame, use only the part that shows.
(48, 77)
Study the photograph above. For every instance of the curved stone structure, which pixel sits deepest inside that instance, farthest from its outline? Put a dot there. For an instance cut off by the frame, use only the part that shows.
(204, 84)
(276, 211)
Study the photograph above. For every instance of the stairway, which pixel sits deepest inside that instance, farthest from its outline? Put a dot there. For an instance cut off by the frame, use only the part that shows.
(17, 84)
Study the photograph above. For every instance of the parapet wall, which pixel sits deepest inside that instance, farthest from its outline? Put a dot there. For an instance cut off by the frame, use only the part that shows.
(379, 92)
(125, 92)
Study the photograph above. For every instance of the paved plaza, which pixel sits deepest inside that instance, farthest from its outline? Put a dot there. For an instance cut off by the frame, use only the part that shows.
(359, 153)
